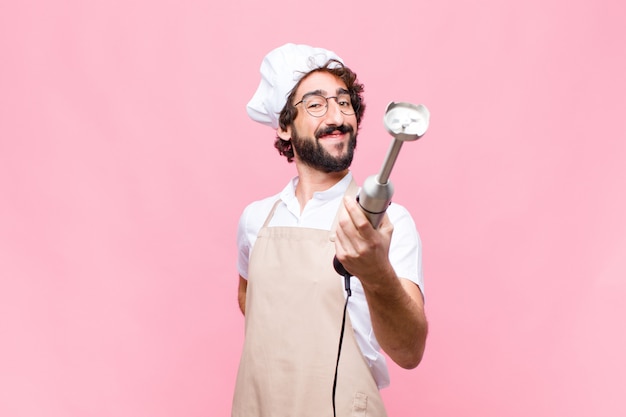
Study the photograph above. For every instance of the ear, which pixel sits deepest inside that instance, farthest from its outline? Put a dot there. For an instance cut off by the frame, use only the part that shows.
(284, 134)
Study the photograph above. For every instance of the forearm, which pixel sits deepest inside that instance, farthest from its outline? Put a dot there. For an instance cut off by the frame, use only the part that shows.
(397, 312)
(241, 294)
(396, 305)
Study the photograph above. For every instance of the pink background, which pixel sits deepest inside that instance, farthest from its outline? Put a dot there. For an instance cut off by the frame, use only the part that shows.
(126, 157)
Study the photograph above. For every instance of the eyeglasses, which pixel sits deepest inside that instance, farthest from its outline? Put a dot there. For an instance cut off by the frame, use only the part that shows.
(317, 105)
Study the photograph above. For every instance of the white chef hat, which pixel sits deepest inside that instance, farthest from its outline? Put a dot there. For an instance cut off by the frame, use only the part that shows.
(281, 70)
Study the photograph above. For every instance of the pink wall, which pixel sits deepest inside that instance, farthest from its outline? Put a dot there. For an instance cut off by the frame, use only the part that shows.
(126, 157)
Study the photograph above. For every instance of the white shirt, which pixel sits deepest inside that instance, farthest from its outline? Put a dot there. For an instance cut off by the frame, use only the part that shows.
(405, 252)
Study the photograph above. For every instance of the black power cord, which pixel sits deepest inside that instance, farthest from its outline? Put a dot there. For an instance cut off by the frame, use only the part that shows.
(346, 276)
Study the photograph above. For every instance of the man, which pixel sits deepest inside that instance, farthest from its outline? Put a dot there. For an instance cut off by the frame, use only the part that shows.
(289, 292)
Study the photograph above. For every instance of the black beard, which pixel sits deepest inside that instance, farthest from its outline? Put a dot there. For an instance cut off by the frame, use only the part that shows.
(311, 152)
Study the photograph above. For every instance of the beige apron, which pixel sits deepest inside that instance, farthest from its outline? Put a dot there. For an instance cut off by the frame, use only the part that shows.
(294, 306)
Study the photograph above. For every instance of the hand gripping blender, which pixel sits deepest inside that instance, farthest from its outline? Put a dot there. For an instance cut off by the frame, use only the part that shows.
(406, 122)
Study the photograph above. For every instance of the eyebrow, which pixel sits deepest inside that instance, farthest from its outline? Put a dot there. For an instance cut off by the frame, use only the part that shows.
(314, 93)
(339, 91)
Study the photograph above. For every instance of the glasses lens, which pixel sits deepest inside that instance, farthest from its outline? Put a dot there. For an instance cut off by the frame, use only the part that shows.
(345, 104)
(315, 105)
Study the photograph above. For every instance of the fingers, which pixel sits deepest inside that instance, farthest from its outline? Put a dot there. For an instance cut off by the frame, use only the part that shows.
(361, 249)
(355, 233)
(360, 221)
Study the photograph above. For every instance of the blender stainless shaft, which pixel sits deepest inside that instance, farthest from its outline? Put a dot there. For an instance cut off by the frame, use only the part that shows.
(405, 122)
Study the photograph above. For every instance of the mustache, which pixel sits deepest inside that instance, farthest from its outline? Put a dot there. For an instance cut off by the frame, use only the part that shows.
(332, 129)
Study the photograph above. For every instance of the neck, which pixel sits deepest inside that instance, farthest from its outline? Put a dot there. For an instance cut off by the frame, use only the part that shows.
(311, 181)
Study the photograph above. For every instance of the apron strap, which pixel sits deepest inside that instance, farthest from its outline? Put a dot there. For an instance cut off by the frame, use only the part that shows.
(269, 216)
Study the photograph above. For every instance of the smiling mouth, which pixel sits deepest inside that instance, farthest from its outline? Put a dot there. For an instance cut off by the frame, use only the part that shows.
(333, 135)
(333, 132)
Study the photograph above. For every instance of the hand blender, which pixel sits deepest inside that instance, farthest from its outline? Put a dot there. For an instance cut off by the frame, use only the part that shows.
(406, 122)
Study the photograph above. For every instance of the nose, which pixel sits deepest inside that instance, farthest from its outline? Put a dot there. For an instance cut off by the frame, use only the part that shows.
(334, 116)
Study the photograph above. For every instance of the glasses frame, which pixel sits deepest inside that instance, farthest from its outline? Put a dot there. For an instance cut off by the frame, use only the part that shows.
(307, 96)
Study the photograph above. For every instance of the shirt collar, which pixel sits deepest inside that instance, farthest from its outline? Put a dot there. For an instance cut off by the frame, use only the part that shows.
(289, 192)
